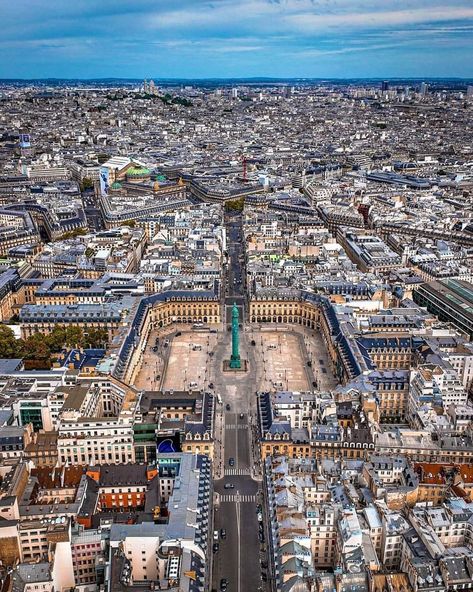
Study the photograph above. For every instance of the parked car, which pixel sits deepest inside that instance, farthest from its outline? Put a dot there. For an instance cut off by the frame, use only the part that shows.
(223, 533)
(229, 486)
(215, 547)
(231, 461)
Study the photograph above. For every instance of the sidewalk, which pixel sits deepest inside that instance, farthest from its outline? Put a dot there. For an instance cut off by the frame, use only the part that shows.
(219, 442)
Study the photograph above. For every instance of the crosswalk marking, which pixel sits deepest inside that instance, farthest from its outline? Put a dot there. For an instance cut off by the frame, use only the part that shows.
(235, 426)
(235, 471)
(232, 498)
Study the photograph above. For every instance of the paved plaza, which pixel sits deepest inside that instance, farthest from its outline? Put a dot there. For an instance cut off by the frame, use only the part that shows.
(188, 361)
(282, 360)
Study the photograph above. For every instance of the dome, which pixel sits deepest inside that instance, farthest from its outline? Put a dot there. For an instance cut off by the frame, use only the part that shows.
(116, 186)
(138, 172)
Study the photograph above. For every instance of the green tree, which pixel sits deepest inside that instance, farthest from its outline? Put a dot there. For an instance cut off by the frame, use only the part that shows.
(235, 205)
(73, 233)
(56, 339)
(9, 346)
(36, 350)
(95, 338)
(87, 183)
(74, 336)
(130, 223)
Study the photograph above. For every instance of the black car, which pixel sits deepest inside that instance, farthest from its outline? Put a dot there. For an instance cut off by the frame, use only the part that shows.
(223, 533)
(223, 584)
(229, 486)
(215, 547)
(227, 407)
(231, 462)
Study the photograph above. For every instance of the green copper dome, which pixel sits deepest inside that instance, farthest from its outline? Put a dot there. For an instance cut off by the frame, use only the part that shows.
(138, 172)
(115, 186)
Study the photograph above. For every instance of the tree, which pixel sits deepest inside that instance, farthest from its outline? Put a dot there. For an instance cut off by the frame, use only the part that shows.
(95, 338)
(235, 205)
(130, 223)
(36, 352)
(87, 183)
(73, 233)
(74, 336)
(9, 346)
(56, 339)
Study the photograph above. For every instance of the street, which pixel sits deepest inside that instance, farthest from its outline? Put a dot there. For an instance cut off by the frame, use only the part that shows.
(240, 553)
(238, 558)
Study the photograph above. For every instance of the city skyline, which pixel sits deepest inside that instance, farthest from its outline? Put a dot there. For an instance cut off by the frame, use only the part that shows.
(222, 39)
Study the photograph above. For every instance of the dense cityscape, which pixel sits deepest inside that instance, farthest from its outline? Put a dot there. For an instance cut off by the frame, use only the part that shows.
(236, 336)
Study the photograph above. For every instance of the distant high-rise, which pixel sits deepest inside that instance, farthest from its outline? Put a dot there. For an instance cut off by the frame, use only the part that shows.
(145, 86)
(385, 85)
(424, 89)
(24, 143)
(24, 140)
(234, 93)
(152, 87)
(469, 92)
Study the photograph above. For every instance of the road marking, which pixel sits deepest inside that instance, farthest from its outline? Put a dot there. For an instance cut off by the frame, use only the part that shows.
(235, 426)
(239, 541)
(234, 471)
(236, 497)
(236, 443)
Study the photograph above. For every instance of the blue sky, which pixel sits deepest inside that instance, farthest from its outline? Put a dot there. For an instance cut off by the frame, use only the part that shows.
(238, 38)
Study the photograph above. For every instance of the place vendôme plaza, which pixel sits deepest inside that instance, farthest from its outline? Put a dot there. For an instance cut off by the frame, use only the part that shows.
(236, 298)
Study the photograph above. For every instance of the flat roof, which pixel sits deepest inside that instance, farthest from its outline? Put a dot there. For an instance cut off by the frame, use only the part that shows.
(457, 293)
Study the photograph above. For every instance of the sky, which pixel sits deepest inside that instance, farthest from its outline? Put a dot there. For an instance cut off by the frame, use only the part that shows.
(236, 38)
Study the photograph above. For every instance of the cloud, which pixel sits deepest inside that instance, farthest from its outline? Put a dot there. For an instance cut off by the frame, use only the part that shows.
(314, 52)
(255, 37)
(312, 22)
(237, 48)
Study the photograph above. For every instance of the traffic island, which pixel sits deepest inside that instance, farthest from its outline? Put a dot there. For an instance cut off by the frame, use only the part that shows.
(243, 367)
